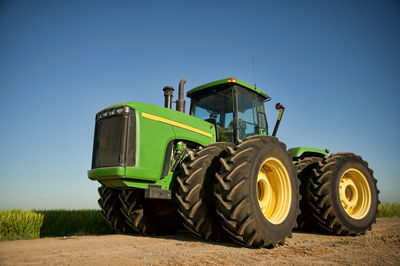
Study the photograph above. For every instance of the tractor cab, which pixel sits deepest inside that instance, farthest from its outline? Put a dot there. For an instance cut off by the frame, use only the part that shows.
(235, 108)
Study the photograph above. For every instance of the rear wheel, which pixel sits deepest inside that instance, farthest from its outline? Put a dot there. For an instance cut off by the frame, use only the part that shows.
(342, 195)
(148, 216)
(195, 192)
(304, 168)
(258, 192)
(110, 209)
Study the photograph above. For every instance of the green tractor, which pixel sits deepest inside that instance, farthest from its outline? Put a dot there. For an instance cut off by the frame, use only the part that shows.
(220, 173)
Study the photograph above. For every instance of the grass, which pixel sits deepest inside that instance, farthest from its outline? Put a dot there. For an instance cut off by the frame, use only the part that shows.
(388, 210)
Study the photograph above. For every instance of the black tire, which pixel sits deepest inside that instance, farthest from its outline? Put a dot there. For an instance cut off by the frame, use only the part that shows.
(304, 169)
(303, 165)
(237, 193)
(110, 209)
(148, 216)
(324, 200)
(195, 192)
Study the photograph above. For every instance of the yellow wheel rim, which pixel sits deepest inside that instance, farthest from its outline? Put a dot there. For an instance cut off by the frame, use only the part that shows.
(355, 194)
(274, 191)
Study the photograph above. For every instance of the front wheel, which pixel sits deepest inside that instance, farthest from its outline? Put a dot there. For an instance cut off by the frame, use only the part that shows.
(195, 190)
(148, 216)
(257, 192)
(110, 209)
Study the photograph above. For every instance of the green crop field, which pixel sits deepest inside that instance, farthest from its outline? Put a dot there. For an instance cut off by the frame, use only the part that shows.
(19, 224)
(387, 210)
(73, 222)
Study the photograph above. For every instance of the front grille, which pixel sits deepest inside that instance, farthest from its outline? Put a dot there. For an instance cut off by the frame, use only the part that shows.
(114, 138)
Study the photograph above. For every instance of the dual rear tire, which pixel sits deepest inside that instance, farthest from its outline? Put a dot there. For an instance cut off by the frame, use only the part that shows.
(340, 195)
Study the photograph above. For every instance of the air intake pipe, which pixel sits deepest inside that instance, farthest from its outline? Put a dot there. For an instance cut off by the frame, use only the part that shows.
(180, 103)
(168, 94)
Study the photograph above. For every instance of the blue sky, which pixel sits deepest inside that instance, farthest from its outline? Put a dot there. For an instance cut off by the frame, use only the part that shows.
(335, 65)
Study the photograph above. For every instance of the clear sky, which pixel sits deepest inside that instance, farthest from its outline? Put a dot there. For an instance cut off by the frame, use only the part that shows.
(334, 65)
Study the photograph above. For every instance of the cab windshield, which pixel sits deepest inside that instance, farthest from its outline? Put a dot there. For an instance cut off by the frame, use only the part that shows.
(251, 114)
(236, 113)
(216, 108)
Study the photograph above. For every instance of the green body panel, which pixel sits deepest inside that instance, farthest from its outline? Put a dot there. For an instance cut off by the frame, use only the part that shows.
(299, 151)
(107, 171)
(222, 81)
(152, 139)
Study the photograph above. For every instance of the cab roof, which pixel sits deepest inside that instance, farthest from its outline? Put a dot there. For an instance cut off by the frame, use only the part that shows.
(226, 81)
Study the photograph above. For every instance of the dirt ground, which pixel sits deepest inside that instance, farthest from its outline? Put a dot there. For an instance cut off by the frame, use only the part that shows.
(381, 246)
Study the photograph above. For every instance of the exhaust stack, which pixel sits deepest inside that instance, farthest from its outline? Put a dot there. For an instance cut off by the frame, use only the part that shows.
(180, 103)
(168, 94)
(281, 109)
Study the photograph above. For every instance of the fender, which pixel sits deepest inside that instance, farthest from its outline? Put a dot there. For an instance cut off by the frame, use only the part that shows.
(302, 152)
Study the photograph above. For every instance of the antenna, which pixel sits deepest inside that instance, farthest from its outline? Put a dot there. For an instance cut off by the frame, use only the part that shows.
(254, 71)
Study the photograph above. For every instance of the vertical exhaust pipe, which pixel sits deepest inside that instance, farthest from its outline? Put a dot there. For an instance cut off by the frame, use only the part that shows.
(281, 109)
(180, 103)
(168, 94)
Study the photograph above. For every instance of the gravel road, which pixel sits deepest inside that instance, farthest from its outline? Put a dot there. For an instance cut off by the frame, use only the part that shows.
(381, 246)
